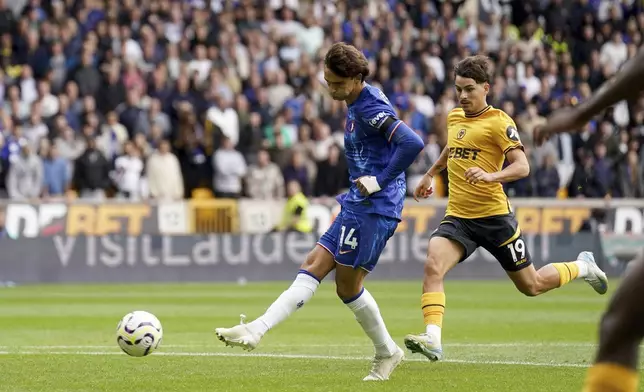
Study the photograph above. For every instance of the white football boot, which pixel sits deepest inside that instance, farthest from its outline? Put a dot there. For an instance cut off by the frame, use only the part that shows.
(382, 367)
(239, 336)
(596, 278)
(424, 344)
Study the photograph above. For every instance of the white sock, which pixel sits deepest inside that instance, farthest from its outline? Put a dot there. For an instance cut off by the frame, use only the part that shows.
(434, 331)
(299, 293)
(583, 269)
(368, 315)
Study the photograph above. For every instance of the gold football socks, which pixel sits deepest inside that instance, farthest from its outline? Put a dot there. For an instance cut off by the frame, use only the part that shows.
(567, 272)
(606, 377)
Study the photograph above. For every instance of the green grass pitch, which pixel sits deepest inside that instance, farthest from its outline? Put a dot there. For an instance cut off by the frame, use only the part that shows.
(62, 338)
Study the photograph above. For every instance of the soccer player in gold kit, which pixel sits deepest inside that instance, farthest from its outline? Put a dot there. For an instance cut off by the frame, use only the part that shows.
(622, 325)
(479, 139)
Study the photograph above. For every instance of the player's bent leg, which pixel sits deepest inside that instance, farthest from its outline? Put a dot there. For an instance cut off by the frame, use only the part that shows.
(513, 255)
(621, 332)
(443, 254)
(532, 282)
(317, 266)
(349, 286)
(319, 262)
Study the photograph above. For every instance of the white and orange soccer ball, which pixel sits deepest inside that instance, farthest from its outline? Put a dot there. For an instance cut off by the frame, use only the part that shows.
(139, 333)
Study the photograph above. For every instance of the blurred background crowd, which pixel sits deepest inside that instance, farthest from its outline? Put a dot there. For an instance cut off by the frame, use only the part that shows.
(167, 99)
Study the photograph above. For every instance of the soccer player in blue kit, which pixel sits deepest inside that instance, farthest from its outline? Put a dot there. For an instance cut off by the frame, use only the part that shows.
(379, 148)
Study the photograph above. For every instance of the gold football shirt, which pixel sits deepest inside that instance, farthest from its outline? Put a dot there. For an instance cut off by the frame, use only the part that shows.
(478, 140)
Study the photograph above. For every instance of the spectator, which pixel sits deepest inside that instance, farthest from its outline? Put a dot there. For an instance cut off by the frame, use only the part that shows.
(543, 148)
(614, 52)
(603, 168)
(112, 137)
(607, 136)
(130, 114)
(297, 171)
(528, 122)
(112, 91)
(141, 143)
(70, 116)
(49, 103)
(75, 100)
(67, 144)
(547, 178)
(323, 142)
(35, 129)
(332, 175)
(250, 136)
(57, 64)
(254, 74)
(164, 174)
(56, 171)
(25, 178)
(7, 19)
(157, 118)
(264, 180)
(200, 65)
(230, 168)
(191, 152)
(12, 146)
(128, 173)
(91, 173)
(14, 105)
(630, 180)
(28, 86)
(295, 215)
(156, 136)
(225, 117)
(86, 75)
(584, 182)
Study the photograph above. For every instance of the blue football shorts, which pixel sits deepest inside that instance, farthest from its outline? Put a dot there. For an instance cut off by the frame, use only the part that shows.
(357, 239)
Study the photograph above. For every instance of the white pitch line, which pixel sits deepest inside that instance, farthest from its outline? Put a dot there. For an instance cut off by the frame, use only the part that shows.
(461, 344)
(302, 356)
(523, 344)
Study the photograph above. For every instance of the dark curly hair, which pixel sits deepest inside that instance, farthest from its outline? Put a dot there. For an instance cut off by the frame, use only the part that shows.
(474, 67)
(346, 61)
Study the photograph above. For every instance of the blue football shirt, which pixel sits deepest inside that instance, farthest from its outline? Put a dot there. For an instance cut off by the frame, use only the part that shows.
(368, 151)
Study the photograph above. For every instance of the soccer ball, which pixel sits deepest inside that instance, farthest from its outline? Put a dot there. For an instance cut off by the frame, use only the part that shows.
(139, 333)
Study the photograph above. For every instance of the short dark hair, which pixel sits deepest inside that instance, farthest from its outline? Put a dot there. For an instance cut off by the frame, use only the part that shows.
(346, 61)
(474, 67)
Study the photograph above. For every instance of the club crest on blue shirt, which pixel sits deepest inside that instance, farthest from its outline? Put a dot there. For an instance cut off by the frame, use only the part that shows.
(350, 125)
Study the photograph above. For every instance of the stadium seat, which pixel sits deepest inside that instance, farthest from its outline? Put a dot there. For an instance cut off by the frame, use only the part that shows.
(562, 193)
(202, 193)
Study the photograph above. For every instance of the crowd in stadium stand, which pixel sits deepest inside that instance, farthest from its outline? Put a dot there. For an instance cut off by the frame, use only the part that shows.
(165, 99)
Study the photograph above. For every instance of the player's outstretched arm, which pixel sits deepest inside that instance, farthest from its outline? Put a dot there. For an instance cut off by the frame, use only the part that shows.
(440, 164)
(516, 170)
(408, 144)
(627, 83)
(380, 116)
